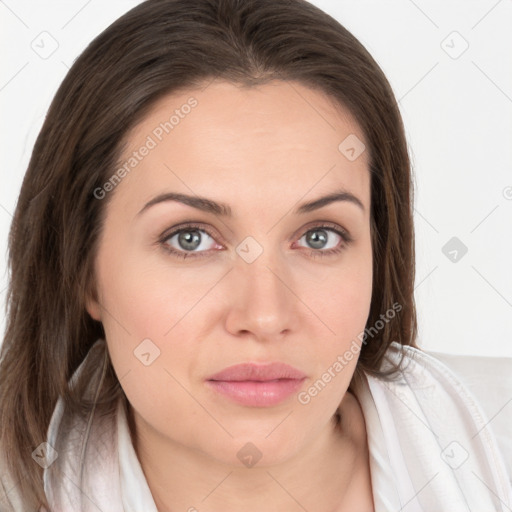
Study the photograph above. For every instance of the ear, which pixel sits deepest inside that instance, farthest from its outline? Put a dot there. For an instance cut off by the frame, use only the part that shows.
(92, 304)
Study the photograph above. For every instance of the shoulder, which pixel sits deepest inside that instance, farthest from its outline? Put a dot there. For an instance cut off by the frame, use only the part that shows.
(489, 381)
(472, 391)
(10, 497)
(431, 421)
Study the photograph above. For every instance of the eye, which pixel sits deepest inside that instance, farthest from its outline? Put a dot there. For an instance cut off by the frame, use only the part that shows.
(318, 238)
(194, 240)
(326, 239)
(188, 241)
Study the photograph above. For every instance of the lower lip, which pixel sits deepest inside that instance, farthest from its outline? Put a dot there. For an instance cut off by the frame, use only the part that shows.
(257, 394)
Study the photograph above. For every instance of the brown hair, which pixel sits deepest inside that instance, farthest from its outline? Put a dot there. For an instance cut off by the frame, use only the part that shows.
(157, 48)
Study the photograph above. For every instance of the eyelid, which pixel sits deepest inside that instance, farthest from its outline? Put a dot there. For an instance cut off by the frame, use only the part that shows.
(319, 224)
(190, 225)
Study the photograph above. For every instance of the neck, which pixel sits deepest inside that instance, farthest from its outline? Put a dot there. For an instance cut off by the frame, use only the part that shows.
(326, 474)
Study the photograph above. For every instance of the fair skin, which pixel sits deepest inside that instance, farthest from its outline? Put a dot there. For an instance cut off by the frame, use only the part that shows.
(263, 151)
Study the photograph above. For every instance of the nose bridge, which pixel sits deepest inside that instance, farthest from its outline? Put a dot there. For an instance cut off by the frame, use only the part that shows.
(262, 302)
(265, 281)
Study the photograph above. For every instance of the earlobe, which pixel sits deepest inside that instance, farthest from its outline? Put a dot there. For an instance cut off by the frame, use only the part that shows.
(92, 305)
(93, 309)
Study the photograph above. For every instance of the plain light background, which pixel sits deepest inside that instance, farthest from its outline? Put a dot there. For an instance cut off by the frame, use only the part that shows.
(450, 66)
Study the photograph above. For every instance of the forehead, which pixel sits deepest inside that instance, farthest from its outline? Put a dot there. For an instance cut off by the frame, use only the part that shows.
(281, 139)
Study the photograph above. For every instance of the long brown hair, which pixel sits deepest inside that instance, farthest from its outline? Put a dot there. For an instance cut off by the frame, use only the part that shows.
(157, 48)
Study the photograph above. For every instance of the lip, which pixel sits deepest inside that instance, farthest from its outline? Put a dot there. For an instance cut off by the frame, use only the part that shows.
(258, 372)
(257, 385)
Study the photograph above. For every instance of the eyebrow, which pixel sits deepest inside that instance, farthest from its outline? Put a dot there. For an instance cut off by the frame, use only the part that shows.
(208, 205)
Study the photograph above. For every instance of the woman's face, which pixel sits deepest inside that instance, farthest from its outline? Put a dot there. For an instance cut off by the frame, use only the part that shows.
(260, 279)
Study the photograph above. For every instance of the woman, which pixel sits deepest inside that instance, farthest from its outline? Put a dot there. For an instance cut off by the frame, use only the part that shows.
(211, 298)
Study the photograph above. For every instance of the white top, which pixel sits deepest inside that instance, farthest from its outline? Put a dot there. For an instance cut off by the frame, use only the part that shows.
(431, 449)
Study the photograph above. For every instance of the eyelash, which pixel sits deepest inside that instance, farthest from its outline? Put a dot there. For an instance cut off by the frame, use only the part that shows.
(347, 240)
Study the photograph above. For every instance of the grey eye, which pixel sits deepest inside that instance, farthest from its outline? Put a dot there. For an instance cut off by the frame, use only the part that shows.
(317, 238)
(190, 240)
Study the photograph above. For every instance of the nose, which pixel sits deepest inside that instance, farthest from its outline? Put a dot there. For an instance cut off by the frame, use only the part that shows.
(262, 301)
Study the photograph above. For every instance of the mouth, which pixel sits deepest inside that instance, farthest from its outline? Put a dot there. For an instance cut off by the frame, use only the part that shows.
(257, 385)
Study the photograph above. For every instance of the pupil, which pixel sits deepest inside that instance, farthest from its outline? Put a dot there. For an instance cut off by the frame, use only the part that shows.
(189, 240)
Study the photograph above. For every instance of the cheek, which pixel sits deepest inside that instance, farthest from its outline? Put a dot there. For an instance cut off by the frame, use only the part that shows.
(147, 296)
(146, 331)
(149, 307)
(343, 306)
(344, 310)
(343, 295)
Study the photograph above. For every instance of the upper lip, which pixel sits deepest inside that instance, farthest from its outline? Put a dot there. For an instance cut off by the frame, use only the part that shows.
(258, 372)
